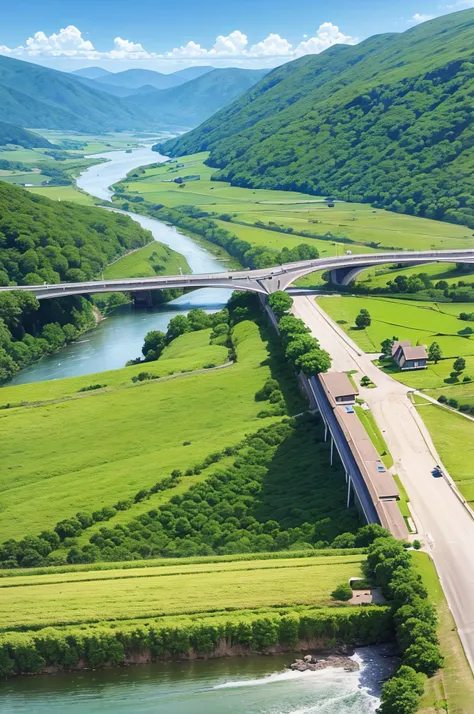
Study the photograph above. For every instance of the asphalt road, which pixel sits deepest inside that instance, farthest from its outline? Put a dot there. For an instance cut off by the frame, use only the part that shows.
(443, 522)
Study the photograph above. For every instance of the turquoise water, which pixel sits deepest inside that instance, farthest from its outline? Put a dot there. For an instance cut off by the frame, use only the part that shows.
(253, 685)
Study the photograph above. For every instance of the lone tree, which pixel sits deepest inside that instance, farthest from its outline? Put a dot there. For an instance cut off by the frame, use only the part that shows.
(387, 346)
(435, 353)
(363, 319)
(459, 364)
(154, 344)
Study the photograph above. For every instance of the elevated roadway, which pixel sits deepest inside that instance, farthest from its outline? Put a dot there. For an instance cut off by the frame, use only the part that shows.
(445, 524)
(343, 269)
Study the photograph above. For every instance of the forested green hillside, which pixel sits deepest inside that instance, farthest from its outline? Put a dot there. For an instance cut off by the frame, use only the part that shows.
(389, 121)
(11, 134)
(46, 241)
(35, 96)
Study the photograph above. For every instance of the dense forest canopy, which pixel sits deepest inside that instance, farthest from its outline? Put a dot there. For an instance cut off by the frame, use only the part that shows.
(49, 241)
(46, 241)
(389, 121)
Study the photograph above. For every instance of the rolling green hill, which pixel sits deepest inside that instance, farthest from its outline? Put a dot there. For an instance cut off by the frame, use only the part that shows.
(11, 134)
(192, 102)
(48, 241)
(35, 96)
(388, 121)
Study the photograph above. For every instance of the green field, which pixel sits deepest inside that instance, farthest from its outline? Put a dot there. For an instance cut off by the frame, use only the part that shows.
(64, 193)
(422, 323)
(140, 263)
(452, 688)
(109, 444)
(189, 352)
(378, 278)
(371, 229)
(453, 437)
(43, 600)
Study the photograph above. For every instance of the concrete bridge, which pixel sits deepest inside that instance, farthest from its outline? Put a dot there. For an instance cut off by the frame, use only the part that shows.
(343, 270)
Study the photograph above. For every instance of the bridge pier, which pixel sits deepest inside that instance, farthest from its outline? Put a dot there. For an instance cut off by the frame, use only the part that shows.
(142, 299)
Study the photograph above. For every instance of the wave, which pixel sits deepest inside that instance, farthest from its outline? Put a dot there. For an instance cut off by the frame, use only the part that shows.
(287, 675)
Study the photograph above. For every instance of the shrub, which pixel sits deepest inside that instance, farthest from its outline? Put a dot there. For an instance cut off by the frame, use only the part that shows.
(453, 403)
(401, 694)
(465, 408)
(442, 399)
(91, 387)
(342, 592)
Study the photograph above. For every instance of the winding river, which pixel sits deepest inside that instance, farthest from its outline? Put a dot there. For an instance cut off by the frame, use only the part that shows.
(120, 337)
(253, 685)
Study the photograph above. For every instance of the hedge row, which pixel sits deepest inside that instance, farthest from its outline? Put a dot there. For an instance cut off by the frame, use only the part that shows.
(391, 566)
(100, 645)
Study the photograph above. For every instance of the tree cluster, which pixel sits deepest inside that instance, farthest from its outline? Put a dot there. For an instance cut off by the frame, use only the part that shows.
(45, 241)
(196, 319)
(303, 351)
(391, 567)
(30, 329)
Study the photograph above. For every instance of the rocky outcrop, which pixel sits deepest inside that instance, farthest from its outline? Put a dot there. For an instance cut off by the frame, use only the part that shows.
(312, 663)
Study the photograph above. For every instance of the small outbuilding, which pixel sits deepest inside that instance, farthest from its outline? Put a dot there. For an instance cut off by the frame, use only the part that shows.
(408, 357)
(339, 389)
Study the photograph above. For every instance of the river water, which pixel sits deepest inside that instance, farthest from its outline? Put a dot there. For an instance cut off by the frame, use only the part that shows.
(120, 337)
(253, 685)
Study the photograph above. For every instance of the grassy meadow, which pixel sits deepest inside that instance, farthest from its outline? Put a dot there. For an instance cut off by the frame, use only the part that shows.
(153, 259)
(64, 193)
(110, 443)
(453, 437)
(379, 277)
(370, 229)
(189, 352)
(420, 322)
(75, 598)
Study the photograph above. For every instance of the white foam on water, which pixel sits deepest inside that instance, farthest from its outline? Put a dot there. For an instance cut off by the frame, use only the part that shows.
(269, 679)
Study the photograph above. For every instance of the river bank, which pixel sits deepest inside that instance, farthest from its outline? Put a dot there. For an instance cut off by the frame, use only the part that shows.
(119, 338)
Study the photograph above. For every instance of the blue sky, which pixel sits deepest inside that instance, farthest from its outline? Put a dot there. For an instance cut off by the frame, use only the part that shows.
(170, 34)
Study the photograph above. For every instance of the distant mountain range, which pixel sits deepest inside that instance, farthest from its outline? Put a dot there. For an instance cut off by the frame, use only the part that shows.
(11, 134)
(35, 96)
(199, 98)
(388, 121)
(133, 81)
(91, 72)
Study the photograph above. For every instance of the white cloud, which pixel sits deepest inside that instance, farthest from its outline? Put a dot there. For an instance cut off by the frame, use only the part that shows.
(326, 36)
(124, 49)
(271, 46)
(419, 17)
(70, 43)
(236, 45)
